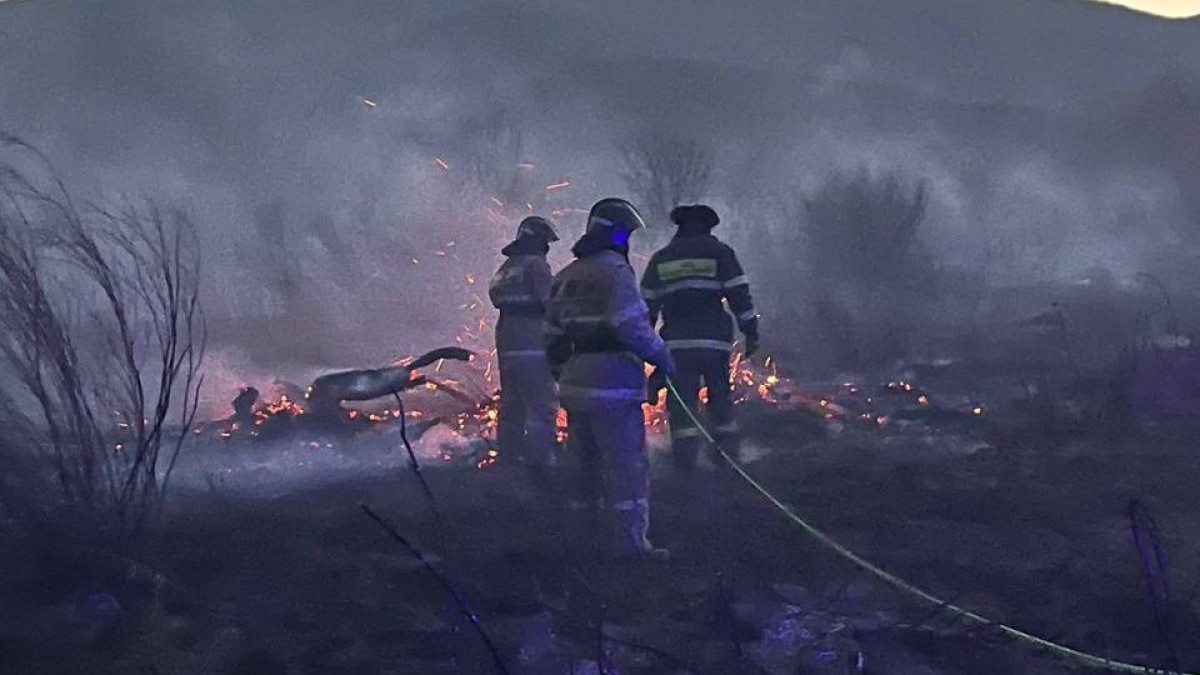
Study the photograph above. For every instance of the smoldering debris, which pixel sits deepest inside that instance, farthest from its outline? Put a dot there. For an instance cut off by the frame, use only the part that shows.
(319, 409)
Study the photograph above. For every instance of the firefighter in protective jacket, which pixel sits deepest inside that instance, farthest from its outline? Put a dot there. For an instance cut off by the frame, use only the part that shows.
(690, 281)
(598, 339)
(528, 404)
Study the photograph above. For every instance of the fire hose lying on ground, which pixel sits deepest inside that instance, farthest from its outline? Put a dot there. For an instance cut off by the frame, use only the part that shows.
(1061, 651)
(1054, 648)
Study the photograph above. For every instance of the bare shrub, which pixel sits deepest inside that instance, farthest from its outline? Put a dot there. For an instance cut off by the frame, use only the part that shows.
(493, 163)
(100, 322)
(869, 273)
(662, 171)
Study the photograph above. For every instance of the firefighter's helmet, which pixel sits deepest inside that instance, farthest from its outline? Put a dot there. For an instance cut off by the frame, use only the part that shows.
(698, 216)
(537, 227)
(614, 218)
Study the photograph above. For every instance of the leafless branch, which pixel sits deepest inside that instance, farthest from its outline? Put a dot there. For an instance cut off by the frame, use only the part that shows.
(663, 171)
(141, 263)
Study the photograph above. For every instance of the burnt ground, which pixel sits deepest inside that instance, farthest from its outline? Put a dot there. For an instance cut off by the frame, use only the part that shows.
(1022, 529)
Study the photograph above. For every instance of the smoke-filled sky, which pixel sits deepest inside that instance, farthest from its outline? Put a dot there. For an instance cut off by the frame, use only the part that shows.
(1058, 129)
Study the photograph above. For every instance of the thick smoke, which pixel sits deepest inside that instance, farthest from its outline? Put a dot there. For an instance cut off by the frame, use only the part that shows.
(305, 137)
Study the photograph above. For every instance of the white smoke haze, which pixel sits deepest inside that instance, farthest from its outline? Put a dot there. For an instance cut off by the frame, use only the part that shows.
(304, 138)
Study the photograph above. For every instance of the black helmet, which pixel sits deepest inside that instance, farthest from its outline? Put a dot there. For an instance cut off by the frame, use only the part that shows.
(614, 219)
(537, 227)
(694, 216)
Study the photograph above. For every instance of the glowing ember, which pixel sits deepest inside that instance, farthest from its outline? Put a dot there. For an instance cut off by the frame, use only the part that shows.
(490, 459)
(559, 186)
(442, 163)
(369, 103)
(560, 426)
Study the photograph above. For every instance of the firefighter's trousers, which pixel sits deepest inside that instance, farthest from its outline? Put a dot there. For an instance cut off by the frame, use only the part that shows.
(697, 368)
(609, 440)
(528, 409)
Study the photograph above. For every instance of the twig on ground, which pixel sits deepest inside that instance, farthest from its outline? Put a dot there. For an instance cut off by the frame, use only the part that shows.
(416, 467)
(1154, 567)
(446, 585)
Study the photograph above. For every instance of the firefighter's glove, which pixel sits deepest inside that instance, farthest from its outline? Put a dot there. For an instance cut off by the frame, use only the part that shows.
(658, 381)
(664, 363)
(751, 345)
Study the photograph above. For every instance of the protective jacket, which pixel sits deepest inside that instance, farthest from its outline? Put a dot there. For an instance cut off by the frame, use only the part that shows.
(598, 331)
(688, 281)
(528, 405)
(520, 290)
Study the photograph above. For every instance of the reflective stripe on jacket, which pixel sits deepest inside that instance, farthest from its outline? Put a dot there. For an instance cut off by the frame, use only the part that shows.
(598, 331)
(520, 290)
(689, 281)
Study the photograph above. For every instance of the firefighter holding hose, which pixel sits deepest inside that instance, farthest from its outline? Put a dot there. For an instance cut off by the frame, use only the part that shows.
(690, 282)
(598, 339)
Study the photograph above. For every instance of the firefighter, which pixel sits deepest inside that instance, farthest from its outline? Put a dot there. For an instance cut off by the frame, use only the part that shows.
(689, 281)
(598, 339)
(528, 404)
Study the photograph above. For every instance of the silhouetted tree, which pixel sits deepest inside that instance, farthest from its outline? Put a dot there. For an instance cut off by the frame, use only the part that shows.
(494, 162)
(110, 420)
(868, 269)
(662, 171)
(1163, 125)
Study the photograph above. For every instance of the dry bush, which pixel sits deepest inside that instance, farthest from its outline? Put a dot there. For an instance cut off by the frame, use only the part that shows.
(661, 172)
(102, 330)
(869, 274)
(492, 163)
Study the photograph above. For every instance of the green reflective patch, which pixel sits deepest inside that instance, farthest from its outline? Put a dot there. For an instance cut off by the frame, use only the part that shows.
(688, 267)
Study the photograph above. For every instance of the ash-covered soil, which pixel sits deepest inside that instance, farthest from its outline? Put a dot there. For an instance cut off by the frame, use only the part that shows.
(988, 511)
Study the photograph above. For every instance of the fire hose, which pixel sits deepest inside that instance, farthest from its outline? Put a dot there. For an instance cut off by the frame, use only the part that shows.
(1054, 648)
